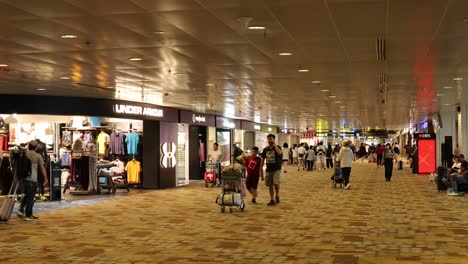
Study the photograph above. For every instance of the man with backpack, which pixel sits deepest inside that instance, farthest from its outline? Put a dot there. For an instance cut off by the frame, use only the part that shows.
(27, 166)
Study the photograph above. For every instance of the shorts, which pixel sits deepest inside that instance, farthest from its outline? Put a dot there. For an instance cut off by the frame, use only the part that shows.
(252, 182)
(272, 177)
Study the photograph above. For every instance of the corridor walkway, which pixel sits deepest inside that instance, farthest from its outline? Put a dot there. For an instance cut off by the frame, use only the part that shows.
(405, 221)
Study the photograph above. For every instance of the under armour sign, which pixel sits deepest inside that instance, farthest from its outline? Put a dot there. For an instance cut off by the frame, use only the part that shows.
(168, 155)
(138, 110)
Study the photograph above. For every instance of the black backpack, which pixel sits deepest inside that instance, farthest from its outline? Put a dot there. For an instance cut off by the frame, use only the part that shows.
(23, 165)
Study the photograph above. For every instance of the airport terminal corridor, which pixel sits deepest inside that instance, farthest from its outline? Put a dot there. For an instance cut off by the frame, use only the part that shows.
(402, 221)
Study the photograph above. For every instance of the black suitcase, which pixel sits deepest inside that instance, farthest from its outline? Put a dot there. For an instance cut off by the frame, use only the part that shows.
(442, 172)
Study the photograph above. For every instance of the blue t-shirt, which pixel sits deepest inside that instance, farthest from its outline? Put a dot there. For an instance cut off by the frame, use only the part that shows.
(132, 141)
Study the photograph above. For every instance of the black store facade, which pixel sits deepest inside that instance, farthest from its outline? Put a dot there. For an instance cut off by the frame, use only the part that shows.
(156, 149)
(197, 126)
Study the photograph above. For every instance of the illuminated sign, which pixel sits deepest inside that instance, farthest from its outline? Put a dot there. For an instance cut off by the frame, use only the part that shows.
(198, 118)
(168, 155)
(138, 110)
(257, 127)
(425, 135)
(228, 124)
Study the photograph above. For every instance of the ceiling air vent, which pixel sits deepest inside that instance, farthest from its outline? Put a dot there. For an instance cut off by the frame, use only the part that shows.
(381, 49)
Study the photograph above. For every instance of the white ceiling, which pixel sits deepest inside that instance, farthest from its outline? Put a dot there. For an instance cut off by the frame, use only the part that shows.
(205, 42)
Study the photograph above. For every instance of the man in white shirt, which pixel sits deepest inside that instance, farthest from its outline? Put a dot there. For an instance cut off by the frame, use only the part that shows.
(321, 150)
(301, 151)
(215, 157)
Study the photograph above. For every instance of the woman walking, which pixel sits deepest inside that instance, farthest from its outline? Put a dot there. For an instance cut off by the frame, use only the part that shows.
(285, 156)
(379, 151)
(388, 157)
(346, 157)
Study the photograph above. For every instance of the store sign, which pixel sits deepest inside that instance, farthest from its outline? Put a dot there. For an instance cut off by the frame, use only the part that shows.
(227, 123)
(138, 110)
(168, 155)
(257, 127)
(426, 135)
(198, 118)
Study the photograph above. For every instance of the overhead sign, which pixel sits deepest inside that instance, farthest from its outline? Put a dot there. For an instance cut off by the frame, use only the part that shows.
(192, 118)
(138, 110)
(227, 123)
(250, 126)
(198, 118)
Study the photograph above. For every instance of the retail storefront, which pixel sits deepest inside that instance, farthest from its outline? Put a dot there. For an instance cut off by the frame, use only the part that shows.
(138, 139)
(225, 128)
(196, 145)
(249, 129)
(261, 140)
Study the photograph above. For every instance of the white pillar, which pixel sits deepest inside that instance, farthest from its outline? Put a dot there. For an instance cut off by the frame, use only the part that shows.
(448, 129)
(463, 130)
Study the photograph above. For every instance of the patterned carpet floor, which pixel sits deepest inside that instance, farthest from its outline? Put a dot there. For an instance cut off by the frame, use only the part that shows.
(404, 221)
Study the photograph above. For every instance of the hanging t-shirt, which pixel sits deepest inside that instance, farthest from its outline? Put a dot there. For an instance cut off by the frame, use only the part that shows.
(103, 142)
(116, 146)
(133, 169)
(65, 158)
(132, 141)
(66, 138)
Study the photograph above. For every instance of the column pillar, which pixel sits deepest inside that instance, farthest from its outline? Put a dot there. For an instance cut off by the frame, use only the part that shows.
(448, 129)
(463, 130)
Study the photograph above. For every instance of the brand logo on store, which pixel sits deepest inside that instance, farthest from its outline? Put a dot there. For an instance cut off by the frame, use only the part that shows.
(198, 118)
(138, 110)
(168, 155)
(257, 127)
(425, 136)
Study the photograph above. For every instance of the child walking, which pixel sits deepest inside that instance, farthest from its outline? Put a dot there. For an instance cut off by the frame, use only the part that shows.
(253, 164)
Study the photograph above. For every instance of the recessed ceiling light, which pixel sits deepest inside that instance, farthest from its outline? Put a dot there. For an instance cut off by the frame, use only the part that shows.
(434, 100)
(447, 104)
(65, 78)
(257, 27)
(316, 82)
(324, 90)
(303, 70)
(135, 59)
(178, 73)
(159, 32)
(342, 106)
(332, 96)
(338, 102)
(440, 94)
(41, 89)
(3, 65)
(448, 87)
(285, 53)
(68, 36)
(210, 84)
(457, 79)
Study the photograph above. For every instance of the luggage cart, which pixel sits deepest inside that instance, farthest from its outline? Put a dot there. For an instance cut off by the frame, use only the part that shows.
(231, 195)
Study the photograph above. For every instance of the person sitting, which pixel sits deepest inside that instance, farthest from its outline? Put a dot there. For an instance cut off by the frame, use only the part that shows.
(457, 179)
(456, 165)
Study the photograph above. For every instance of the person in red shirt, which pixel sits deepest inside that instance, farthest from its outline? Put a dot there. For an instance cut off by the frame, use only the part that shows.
(379, 151)
(253, 164)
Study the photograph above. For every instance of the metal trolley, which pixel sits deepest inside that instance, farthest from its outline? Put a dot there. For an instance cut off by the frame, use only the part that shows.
(231, 195)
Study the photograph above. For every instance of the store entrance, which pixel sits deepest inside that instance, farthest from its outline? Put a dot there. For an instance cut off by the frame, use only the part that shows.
(197, 152)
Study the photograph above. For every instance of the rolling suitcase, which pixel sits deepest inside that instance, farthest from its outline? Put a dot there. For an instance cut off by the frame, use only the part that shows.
(6, 209)
(442, 172)
(400, 165)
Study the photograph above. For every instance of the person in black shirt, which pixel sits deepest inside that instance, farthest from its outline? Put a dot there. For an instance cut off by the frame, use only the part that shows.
(273, 157)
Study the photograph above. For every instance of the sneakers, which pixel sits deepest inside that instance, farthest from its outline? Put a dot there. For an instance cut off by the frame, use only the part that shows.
(31, 218)
(20, 214)
(271, 203)
(348, 186)
(254, 201)
(277, 200)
